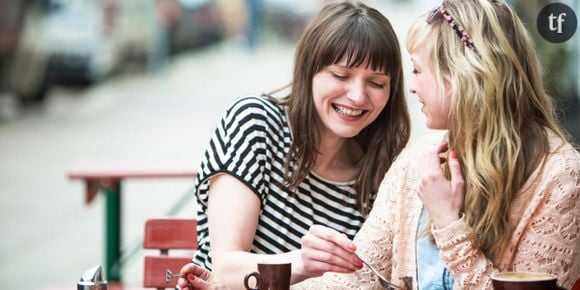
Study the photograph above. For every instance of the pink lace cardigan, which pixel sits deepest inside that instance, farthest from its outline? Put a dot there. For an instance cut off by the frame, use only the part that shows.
(545, 220)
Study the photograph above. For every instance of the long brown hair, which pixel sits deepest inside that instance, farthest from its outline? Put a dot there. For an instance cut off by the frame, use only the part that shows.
(500, 111)
(359, 33)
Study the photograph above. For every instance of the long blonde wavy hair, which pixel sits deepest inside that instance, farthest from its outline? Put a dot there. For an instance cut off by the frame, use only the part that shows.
(500, 113)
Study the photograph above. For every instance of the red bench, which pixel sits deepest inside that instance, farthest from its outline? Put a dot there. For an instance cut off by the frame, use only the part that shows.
(165, 234)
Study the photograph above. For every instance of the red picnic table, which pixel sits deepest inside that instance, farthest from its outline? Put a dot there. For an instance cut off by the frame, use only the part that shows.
(107, 178)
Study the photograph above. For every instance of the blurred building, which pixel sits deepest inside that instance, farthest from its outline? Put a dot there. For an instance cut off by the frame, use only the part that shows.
(43, 42)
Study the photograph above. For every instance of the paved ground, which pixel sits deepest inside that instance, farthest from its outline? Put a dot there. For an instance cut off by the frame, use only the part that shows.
(49, 236)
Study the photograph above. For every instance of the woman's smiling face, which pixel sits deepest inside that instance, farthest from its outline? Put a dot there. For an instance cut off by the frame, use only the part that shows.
(349, 99)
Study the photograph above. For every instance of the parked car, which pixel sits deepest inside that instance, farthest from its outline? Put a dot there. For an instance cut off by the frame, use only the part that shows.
(85, 41)
(23, 60)
(289, 18)
(59, 41)
(199, 24)
(80, 41)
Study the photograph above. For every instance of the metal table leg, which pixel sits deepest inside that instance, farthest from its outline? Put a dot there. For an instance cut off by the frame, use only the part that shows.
(113, 232)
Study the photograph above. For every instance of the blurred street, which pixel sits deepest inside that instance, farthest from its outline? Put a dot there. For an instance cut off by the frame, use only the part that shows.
(50, 236)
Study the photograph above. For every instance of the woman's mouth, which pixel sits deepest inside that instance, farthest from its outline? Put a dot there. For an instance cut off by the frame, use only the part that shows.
(347, 111)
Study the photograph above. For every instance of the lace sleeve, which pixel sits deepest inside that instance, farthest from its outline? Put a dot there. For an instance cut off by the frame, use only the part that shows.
(374, 240)
(470, 268)
(551, 242)
(546, 239)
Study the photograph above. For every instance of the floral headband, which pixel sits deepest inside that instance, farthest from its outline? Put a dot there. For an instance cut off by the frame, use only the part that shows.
(465, 38)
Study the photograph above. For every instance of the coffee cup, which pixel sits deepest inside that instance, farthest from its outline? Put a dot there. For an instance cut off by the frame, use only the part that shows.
(524, 280)
(270, 276)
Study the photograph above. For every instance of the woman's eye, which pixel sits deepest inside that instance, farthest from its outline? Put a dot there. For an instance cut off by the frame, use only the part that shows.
(339, 76)
(378, 85)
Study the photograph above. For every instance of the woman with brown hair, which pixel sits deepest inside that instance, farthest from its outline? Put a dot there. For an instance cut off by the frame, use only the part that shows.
(275, 167)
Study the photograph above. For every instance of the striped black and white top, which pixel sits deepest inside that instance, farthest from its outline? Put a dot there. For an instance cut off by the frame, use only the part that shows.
(250, 143)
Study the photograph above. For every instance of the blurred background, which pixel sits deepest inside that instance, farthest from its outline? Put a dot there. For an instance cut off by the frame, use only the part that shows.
(145, 82)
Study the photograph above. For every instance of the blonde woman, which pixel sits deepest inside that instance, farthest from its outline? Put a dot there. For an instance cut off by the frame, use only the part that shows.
(500, 192)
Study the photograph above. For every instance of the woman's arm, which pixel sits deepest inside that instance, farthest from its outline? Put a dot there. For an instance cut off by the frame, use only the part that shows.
(233, 213)
(546, 238)
(373, 242)
(550, 241)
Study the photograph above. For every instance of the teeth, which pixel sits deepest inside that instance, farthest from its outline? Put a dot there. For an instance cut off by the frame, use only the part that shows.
(347, 112)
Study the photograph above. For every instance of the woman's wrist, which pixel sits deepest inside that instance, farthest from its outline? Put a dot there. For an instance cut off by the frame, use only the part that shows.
(298, 274)
(446, 220)
(297, 278)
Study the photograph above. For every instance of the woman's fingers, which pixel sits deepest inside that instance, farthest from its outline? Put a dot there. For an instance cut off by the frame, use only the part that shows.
(432, 172)
(442, 198)
(333, 236)
(322, 260)
(442, 147)
(182, 284)
(457, 182)
(316, 268)
(324, 249)
(196, 283)
(433, 159)
(196, 270)
(193, 272)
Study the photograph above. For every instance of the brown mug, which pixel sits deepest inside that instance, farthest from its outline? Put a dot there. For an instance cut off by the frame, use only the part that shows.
(270, 276)
(524, 280)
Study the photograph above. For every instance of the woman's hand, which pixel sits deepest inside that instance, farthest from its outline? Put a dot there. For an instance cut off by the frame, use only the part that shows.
(442, 198)
(326, 250)
(198, 278)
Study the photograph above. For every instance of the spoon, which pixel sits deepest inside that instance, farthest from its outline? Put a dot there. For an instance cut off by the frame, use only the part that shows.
(169, 276)
(382, 280)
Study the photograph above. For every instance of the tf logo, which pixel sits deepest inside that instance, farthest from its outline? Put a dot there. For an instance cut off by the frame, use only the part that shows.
(557, 22)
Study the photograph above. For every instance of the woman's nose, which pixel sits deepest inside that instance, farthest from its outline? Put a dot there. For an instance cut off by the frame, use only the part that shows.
(412, 87)
(357, 93)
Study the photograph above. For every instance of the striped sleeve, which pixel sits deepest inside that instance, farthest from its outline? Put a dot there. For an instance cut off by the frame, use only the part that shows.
(237, 147)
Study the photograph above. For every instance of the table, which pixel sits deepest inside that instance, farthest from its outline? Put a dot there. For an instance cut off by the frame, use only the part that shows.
(107, 178)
